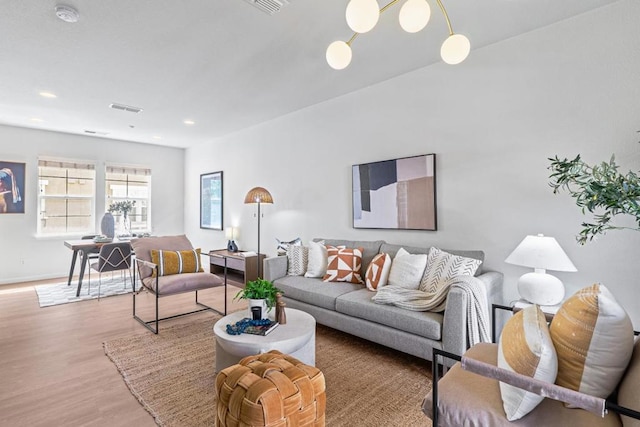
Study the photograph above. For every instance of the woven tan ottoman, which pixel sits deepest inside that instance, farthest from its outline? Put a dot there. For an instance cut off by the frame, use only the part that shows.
(270, 389)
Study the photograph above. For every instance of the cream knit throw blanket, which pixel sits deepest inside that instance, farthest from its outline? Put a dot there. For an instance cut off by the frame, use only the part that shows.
(415, 300)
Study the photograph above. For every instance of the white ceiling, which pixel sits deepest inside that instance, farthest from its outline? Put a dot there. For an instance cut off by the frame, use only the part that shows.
(222, 63)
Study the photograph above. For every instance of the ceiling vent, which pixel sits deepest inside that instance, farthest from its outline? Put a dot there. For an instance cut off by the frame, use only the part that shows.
(95, 132)
(269, 6)
(123, 107)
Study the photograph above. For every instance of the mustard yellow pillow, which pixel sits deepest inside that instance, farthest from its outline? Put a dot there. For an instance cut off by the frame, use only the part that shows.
(176, 262)
(593, 337)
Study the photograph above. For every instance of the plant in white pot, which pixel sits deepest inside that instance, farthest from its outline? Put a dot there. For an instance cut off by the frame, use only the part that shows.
(260, 293)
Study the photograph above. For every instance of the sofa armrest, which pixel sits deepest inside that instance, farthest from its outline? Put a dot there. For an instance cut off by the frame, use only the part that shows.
(454, 324)
(275, 268)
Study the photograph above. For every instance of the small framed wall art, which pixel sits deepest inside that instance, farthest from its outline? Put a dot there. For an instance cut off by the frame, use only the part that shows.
(12, 187)
(395, 194)
(211, 200)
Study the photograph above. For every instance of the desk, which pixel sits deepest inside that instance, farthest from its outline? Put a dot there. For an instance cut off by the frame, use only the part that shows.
(85, 246)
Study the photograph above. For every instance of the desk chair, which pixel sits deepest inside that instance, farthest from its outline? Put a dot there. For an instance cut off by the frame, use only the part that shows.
(114, 257)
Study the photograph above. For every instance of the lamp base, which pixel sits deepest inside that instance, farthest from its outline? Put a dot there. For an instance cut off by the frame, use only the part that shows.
(541, 288)
(231, 246)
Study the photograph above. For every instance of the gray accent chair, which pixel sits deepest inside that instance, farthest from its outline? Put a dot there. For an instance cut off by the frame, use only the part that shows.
(162, 286)
(113, 257)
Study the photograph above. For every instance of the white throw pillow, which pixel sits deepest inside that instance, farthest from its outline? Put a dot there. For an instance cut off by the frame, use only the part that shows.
(407, 269)
(317, 263)
(297, 258)
(525, 347)
(442, 266)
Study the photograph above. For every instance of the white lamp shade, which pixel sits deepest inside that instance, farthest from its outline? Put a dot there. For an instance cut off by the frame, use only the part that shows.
(414, 15)
(362, 15)
(338, 55)
(541, 252)
(455, 49)
(231, 233)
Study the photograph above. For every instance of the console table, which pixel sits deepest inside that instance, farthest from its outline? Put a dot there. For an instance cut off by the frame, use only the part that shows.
(246, 266)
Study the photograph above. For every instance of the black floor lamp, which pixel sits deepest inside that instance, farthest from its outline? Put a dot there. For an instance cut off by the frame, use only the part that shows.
(258, 195)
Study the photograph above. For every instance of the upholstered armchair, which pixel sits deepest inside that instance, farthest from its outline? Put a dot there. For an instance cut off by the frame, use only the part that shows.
(477, 392)
(169, 265)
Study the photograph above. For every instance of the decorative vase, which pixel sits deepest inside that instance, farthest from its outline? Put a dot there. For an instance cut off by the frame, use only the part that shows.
(124, 225)
(262, 304)
(107, 225)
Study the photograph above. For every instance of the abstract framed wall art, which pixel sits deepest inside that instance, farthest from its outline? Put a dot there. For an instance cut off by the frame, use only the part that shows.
(12, 176)
(395, 194)
(211, 200)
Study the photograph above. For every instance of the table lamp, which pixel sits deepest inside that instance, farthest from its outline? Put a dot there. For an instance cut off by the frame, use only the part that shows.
(232, 234)
(258, 195)
(541, 253)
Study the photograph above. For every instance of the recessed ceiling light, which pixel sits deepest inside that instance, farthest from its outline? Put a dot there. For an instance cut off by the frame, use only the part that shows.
(157, 137)
(36, 120)
(67, 13)
(48, 95)
(189, 122)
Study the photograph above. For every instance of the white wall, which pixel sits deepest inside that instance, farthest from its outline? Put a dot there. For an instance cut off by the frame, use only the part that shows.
(493, 121)
(47, 257)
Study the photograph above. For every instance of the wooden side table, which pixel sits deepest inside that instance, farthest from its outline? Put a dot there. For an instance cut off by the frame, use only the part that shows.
(245, 266)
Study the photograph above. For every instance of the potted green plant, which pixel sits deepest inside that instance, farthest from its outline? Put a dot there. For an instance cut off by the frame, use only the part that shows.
(600, 189)
(260, 293)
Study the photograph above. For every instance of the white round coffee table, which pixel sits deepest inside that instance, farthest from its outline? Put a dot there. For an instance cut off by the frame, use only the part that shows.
(296, 338)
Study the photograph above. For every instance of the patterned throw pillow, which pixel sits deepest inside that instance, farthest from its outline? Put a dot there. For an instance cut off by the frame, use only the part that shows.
(378, 271)
(344, 264)
(176, 262)
(442, 266)
(297, 258)
(282, 246)
(317, 264)
(593, 336)
(526, 348)
(407, 269)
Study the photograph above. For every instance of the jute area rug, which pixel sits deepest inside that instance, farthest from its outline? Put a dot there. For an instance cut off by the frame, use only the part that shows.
(172, 375)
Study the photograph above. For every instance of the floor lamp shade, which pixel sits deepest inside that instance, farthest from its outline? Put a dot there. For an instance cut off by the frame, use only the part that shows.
(541, 253)
(258, 195)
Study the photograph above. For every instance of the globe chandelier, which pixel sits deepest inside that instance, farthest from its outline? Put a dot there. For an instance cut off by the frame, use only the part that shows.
(363, 15)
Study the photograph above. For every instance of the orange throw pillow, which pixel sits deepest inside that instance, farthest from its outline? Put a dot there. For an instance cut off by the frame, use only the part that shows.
(176, 262)
(343, 264)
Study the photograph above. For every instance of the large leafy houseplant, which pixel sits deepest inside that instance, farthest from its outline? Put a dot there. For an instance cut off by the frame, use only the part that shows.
(259, 289)
(599, 189)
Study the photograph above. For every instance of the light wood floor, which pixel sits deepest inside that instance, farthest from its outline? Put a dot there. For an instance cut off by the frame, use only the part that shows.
(53, 370)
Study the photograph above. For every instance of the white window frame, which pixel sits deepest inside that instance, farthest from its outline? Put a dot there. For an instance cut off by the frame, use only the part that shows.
(133, 171)
(68, 165)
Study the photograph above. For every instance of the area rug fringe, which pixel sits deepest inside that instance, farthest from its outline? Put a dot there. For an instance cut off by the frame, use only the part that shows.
(172, 376)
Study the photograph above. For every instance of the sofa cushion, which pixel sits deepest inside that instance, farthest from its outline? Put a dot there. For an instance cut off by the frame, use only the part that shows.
(525, 347)
(314, 291)
(378, 272)
(359, 304)
(317, 263)
(442, 266)
(628, 395)
(587, 327)
(392, 249)
(176, 262)
(369, 248)
(142, 248)
(297, 258)
(343, 265)
(184, 282)
(407, 269)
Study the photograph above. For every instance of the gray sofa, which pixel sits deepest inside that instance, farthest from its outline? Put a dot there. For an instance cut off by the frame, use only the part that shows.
(348, 307)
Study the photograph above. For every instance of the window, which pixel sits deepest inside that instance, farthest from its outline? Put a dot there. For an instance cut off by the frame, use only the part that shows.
(66, 197)
(130, 183)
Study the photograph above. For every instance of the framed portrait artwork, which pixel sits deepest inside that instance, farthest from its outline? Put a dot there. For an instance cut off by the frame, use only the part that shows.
(211, 200)
(395, 194)
(12, 177)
